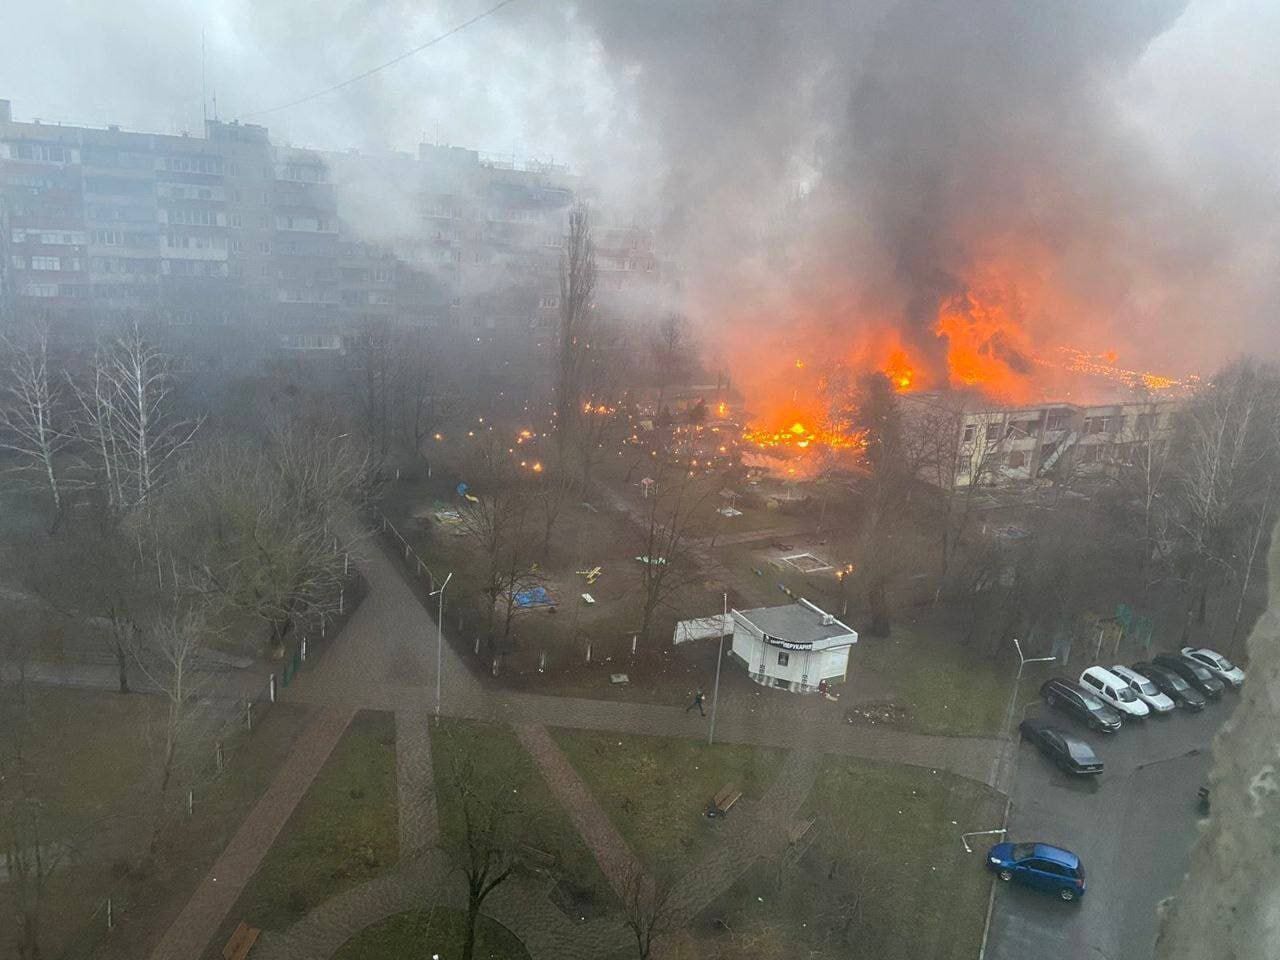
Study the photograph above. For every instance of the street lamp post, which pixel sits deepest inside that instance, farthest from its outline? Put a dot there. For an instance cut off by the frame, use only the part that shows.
(1017, 682)
(715, 691)
(440, 637)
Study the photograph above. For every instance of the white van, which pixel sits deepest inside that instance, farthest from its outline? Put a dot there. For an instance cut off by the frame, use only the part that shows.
(1104, 683)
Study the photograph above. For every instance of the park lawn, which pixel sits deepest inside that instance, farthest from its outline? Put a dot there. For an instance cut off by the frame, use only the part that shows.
(948, 689)
(886, 875)
(344, 831)
(502, 763)
(656, 789)
(96, 751)
(438, 932)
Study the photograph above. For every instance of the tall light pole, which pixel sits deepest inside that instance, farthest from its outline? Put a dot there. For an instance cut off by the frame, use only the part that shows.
(440, 637)
(1013, 697)
(715, 692)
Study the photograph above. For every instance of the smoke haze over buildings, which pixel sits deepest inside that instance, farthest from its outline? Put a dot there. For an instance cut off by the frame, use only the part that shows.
(875, 176)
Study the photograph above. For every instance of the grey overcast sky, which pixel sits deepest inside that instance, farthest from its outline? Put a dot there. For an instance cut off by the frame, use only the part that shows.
(1138, 139)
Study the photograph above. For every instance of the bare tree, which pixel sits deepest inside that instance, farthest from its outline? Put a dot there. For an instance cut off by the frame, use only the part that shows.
(577, 292)
(668, 348)
(166, 655)
(498, 521)
(419, 391)
(648, 908)
(127, 415)
(1227, 450)
(483, 846)
(29, 842)
(33, 414)
(671, 518)
(258, 527)
(374, 369)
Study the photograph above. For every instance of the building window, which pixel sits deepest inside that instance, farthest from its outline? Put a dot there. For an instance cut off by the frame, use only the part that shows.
(237, 220)
(19, 263)
(264, 246)
(1017, 460)
(46, 263)
(784, 658)
(381, 275)
(969, 431)
(993, 432)
(1097, 425)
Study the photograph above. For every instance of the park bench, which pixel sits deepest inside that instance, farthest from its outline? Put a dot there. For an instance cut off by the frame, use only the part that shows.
(241, 942)
(536, 859)
(799, 831)
(723, 801)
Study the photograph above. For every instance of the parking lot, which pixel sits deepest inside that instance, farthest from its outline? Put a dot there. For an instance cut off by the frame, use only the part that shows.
(1133, 828)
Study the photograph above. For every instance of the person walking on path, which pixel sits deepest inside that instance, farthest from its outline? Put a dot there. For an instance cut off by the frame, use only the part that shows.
(697, 702)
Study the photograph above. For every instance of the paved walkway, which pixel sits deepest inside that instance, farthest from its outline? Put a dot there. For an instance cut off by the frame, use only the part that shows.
(204, 913)
(415, 784)
(385, 659)
(617, 861)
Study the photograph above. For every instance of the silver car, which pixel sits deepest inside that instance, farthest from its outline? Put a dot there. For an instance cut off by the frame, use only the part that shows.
(1217, 664)
(1145, 689)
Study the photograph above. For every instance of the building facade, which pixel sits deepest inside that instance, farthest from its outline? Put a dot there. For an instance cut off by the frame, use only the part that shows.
(1009, 446)
(308, 245)
(796, 647)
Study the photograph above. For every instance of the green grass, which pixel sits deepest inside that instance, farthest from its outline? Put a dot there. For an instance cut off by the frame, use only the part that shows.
(948, 689)
(656, 789)
(428, 933)
(502, 764)
(886, 875)
(344, 831)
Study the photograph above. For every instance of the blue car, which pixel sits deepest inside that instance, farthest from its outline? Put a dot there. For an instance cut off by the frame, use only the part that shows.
(1039, 865)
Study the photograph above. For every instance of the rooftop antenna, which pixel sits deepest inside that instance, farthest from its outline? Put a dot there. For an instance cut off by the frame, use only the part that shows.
(204, 93)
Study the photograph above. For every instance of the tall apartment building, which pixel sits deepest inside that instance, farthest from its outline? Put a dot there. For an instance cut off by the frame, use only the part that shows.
(307, 245)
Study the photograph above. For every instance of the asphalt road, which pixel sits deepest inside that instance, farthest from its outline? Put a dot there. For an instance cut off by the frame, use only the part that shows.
(1133, 828)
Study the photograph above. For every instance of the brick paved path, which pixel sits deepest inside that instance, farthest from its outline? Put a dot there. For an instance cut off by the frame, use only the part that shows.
(385, 659)
(616, 859)
(415, 785)
(205, 911)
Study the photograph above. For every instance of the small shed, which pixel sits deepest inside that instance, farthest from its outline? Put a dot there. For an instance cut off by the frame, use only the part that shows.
(793, 647)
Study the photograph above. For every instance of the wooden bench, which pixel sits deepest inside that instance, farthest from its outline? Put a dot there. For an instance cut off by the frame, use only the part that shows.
(241, 942)
(723, 801)
(799, 830)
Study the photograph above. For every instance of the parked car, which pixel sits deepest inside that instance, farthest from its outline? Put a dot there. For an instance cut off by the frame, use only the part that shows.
(1171, 684)
(1192, 671)
(1103, 683)
(1073, 699)
(1039, 865)
(1144, 688)
(1068, 753)
(1217, 664)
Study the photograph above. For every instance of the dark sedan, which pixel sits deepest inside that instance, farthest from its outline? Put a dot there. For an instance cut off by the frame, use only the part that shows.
(1069, 754)
(1194, 673)
(1172, 685)
(1073, 699)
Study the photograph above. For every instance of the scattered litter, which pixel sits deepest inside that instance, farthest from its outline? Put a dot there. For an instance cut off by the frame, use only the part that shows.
(618, 678)
(589, 600)
(729, 512)
(655, 561)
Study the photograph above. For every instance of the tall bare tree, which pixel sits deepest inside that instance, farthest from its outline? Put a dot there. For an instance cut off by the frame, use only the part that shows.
(1227, 450)
(670, 520)
(499, 522)
(166, 654)
(574, 340)
(261, 528)
(482, 845)
(34, 421)
(127, 415)
(649, 908)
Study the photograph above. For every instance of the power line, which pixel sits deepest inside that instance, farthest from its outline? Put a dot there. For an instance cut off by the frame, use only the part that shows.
(382, 66)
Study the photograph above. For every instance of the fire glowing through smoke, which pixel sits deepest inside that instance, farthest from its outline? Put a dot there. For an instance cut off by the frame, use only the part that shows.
(984, 347)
